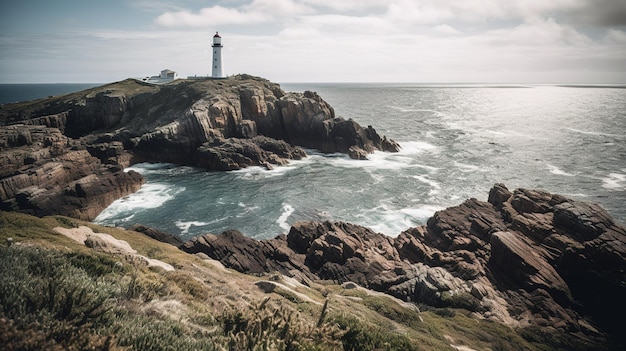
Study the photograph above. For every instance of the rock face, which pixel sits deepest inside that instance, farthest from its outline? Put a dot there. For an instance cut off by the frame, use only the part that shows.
(524, 258)
(44, 172)
(64, 155)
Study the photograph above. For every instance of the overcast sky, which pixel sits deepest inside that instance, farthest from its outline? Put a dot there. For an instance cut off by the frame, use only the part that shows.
(480, 41)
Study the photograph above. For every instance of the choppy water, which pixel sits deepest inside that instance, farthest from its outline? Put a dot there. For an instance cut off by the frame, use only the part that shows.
(457, 141)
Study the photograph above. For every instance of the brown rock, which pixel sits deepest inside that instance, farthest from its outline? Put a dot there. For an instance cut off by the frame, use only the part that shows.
(157, 234)
(586, 220)
(523, 265)
(499, 194)
(58, 179)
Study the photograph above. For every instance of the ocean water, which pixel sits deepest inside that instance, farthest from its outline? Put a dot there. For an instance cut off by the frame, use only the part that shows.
(457, 141)
(10, 93)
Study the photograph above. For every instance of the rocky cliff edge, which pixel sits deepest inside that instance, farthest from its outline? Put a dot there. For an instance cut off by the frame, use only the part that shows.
(526, 258)
(65, 155)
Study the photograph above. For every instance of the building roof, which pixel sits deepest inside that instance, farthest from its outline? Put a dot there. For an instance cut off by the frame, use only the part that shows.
(217, 35)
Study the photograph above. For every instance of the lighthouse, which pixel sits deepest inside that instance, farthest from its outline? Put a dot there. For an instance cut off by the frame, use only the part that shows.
(217, 56)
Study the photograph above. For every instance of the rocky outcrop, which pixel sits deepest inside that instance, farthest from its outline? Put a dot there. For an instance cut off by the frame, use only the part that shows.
(181, 122)
(64, 155)
(525, 257)
(44, 172)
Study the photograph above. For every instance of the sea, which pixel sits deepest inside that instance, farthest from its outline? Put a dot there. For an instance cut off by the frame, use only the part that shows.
(457, 141)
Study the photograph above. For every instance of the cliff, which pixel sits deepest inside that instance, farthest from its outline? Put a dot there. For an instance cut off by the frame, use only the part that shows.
(64, 155)
(527, 258)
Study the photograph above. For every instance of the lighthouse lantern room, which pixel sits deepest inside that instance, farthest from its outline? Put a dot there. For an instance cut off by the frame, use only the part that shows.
(217, 56)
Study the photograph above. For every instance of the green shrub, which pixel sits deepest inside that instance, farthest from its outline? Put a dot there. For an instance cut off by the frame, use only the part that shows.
(189, 285)
(462, 300)
(66, 222)
(95, 265)
(359, 336)
(57, 304)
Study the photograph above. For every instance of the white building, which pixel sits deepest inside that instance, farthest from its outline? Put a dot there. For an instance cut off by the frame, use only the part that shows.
(217, 71)
(169, 74)
(166, 76)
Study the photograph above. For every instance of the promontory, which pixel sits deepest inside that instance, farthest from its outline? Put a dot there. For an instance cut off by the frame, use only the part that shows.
(65, 155)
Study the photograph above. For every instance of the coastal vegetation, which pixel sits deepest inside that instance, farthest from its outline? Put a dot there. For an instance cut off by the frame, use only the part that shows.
(57, 294)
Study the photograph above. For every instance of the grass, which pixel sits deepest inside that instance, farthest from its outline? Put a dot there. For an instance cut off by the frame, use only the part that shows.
(55, 300)
(56, 294)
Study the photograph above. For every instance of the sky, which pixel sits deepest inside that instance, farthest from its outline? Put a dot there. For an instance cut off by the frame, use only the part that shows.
(421, 41)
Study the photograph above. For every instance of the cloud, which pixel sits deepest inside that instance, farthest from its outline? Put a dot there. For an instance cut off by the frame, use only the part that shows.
(353, 6)
(446, 29)
(537, 33)
(257, 12)
(278, 8)
(603, 13)
(155, 6)
(615, 36)
(342, 25)
(211, 17)
(591, 12)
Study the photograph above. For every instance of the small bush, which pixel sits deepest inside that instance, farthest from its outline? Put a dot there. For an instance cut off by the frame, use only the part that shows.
(95, 266)
(66, 222)
(462, 300)
(359, 336)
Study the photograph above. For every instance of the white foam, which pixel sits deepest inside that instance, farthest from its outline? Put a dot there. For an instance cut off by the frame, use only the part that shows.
(614, 181)
(379, 160)
(392, 222)
(185, 226)
(282, 220)
(465, 168)
(433, 184)
(415, 147)
(596, 133)
(149, 196)
(412, 109)
(246, 209)
(146, 168)
(257, 172)
(557, 171)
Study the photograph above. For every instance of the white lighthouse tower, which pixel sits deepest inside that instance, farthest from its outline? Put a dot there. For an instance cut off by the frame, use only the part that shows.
(217, 56)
